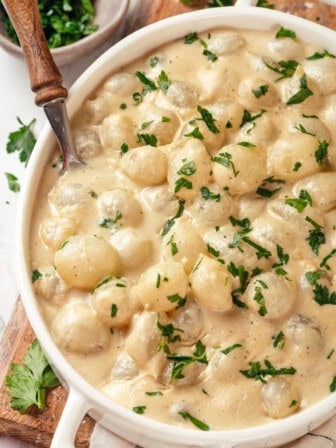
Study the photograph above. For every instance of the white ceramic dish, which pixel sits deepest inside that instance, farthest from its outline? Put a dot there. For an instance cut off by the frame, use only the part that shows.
(83, 397)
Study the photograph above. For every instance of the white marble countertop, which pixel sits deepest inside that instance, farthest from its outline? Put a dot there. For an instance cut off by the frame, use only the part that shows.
(18, 101)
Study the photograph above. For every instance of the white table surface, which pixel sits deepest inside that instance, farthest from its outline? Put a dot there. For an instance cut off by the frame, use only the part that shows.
(17, 100)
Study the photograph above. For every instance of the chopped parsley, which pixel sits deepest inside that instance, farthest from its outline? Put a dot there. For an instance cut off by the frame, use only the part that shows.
(123, 106)
(182, 182)
(187, 169)
(302, 129)
(322, 295)
(145, 124)
(284, 68)
(139, 409)
(264, 4)
(171, 221)
(330, 353)
(301, 202)
(114, 310)
(149, 85)
(225, 159)
(164, 82)
(260, 299)
(212, 250)
(261, 252)
(165, 119)
(322, 152)
(207, 195)
(36, 274)
(258, 373)
(260, 91)
(173, 246)
(13, 182)
(324, 263)
(332, 386)
(293, 403)
(249, 118)
(195, 133)
(155, 393)
(101, 283)
(284, 32)
(210, 55)
(176, 298)
(316, 237)
(167, 331)
(124, 148)
(283, 260)
(247, 144)
(93, 194)
(318, 55)
(147, 139)
(181, 361)
(266, 192)
(232, 347)
(108, 223)
(190, 38)
(279, 340)
(228, 125)
(153, 62)
(208, 119)
(302, 94)
(313, 276)
(137, 97)
(297, 166)
(198, 423)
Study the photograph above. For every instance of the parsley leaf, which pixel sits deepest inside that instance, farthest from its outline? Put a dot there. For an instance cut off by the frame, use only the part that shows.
(22, 140)
(225, 159)
(284, 32)
(322, 152)
(171, 221)
(258, 373)
(249, 118)
(147, 139)
(153, 62)
(13, 182)
(207, 195)
(27, 382)
(301, 202)
(210, 55)
(260, 299)
(264, 4)
(302, 129)
(182, 182)
(232, 347)
(318, 55)
(164, 82)
(181, 301)
(190, 38)
(139, 409)
(302, 94)
(315, 238)
(198, 423)
(187, 169)
(108, 223)
(332, 386)
(285, 68)
(279, 340)
(195, 133)
(149, 85)
(114, 310)
(181, 361)
(36, 274)
(324, 263)
(313, 276)
(260, 91)
(322, 296)
(208, 119)
(246, 144)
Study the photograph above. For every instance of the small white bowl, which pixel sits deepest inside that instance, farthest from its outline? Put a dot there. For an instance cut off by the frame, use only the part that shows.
(108, 16)
(83, 397)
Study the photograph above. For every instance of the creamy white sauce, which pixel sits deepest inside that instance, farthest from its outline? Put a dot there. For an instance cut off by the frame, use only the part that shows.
(113, 333)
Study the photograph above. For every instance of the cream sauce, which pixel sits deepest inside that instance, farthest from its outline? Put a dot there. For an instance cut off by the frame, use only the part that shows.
(113, 333)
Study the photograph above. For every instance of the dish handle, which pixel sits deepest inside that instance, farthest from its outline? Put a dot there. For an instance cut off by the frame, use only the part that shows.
(241, 3)
(75, 408)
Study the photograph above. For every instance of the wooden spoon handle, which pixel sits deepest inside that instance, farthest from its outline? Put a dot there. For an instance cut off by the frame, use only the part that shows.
(45, 78)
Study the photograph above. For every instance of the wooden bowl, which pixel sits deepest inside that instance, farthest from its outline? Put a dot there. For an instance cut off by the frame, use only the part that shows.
(109, 14)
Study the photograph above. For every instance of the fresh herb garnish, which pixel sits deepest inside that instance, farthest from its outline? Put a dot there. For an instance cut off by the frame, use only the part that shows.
(249, 118)
(316, 237)
(176, 298)
(114, 310)
(232, 347)
(165, 119)
(153, 62)
(13, 182)
(108, 223)
(64, 22)
(181, 361)
(207, 195)
(27, 382)
(124, 148)
(302, 129)
(155, 393)
(303, 93)
(247, 144)
(284, 32)
(322, 152)
(167, 331)
(225, 159)
(171, 221)
(301, 202)
(22, 141)
(36, 274)
(318, 55)
(101, 283)
(195, 133)
(182, 182)
(208, 119)
(279, 340)
(260, 91)
(313, 276)
(261, 252)
(147, 139)
(187, 169)
(149, 85)
(212, 250)
(332, 386)
(198, 423)
(139, 409)
(322, 296)
(266, 192)
(330, 353)
(258, 373)
(297, 166)
(264, 4)
(324, 263)
(173, 246)
(285, 68)
(260, 299)
(163, 82)
(191, 38)
(283, 260)
(210, 55)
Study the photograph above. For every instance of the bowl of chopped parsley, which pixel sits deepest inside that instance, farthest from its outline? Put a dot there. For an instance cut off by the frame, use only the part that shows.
(73, 28)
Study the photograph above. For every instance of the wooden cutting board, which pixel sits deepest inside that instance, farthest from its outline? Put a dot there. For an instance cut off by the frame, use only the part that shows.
(37, 428)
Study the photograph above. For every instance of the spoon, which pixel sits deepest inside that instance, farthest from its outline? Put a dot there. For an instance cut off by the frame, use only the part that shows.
(45, 78)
